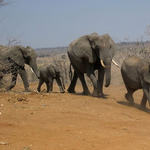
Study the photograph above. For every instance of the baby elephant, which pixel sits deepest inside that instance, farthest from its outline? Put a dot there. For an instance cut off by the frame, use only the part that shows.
(136, 75)
(48, 74)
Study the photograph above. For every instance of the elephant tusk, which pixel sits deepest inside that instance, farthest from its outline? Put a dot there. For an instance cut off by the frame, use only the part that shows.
(32, 70)
(115, 63)
(102, 63)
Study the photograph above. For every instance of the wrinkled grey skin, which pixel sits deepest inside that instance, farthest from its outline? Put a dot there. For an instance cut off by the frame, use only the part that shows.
(136, 75)
(13, 60)
(85, 54)
(48, 74)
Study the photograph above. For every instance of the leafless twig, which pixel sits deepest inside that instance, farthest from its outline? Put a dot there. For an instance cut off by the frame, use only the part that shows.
(5, 2)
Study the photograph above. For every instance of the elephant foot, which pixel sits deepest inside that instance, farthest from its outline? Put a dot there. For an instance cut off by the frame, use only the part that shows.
(85, 93)
(62, 91)
(143, 108)
(102, 96)
(27, 90)
(127, 96)
(95, 93)
(71, 91)
(8, 88)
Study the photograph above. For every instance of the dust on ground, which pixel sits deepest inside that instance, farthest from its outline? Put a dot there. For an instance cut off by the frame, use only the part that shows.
(56, 121)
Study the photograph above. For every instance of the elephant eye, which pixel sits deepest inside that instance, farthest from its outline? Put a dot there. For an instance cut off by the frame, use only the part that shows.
(110, 46)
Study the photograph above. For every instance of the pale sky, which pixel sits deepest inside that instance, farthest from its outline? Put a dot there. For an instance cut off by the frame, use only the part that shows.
(55, 23)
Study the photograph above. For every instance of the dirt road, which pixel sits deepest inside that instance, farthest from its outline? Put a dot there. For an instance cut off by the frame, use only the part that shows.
(55, 121)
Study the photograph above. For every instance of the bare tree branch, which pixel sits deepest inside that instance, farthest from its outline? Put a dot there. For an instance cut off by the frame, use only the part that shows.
(13, 41)
(148, 30)
(5, 2)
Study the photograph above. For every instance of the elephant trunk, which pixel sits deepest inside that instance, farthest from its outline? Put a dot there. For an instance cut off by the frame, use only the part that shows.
(107, 76)
(63, 81)
(107, 73)
(33, 65)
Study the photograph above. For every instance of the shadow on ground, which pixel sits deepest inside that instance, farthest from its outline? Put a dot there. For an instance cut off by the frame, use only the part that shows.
(135, 106)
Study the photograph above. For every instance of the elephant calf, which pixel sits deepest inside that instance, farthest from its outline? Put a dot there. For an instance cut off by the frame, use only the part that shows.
(136, 75)
(48, 74)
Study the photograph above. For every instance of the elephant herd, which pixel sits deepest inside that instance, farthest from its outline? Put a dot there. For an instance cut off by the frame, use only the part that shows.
(86, 54)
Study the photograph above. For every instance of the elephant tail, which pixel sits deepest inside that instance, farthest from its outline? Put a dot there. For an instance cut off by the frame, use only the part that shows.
(70, 73)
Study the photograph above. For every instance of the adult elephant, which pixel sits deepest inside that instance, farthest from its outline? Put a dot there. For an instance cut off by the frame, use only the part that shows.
(47, 74)
(87, 54)
(13, 60)
(136, 75)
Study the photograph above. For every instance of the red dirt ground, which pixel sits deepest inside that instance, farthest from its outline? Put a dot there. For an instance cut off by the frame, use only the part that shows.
(55, 121)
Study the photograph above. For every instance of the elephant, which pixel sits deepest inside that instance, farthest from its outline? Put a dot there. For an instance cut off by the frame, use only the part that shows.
(87, 54)
(136, 75)
(47, 74)
(13, 60)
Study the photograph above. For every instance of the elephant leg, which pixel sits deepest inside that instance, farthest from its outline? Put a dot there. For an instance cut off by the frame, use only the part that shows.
(23, 75)
(95, 84)
(71, 88)
(101, 80)
(84, 85)
(77, 74)
(13, 81)
(91, 75)
(40, 84)
(48, 86)
(143, 102)
(51, 86)
(60, 84)
(129, 95)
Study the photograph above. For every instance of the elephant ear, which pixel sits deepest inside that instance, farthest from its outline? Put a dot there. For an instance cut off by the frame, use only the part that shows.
(92, 38)
(147, 75)
(27, 52)
(16, 55)
(83, 48)
(51, 70)
(144, 70)
(57, 68)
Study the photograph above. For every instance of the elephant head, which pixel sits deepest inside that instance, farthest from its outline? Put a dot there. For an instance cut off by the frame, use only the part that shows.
(93, 47)
(59, 73)
(144, 72)
(21, 55)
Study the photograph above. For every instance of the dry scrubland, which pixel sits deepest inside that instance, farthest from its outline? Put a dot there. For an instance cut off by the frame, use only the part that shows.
(55, 121)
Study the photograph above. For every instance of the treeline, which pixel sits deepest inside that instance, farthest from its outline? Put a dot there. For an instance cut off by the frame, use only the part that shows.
(133, 43)
(48, 52)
